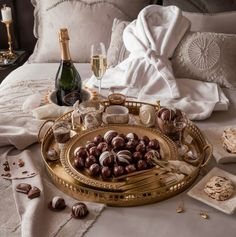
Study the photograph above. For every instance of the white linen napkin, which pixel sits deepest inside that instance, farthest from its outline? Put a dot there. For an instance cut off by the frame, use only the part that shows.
(36, 219)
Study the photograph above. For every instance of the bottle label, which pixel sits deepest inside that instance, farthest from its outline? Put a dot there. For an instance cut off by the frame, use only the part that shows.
(71, 98)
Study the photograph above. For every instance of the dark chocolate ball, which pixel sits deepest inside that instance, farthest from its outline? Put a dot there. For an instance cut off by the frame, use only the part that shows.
(154, 144)
(81, 152)
(98, 139)
(79, 210)
(167, 114)
(123, 136)
(89, 145)
(152, 157)
(109, 135)
(106, 172)
(94, 151)
(79, 162)
(118, 143)
(57, 203)
(130, 168)
(132, 136)
(90, 160)
(145, 139)
(131, 145)
(137, 156)
(142, 165)
(103, 146)
(118, 170)
(107, 158)
(94, 169)
(141, 148)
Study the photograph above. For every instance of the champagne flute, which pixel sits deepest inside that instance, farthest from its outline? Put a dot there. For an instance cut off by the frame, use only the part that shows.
(98, 62)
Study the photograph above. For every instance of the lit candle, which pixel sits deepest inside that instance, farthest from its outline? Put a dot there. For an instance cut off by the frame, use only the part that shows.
(6, 13)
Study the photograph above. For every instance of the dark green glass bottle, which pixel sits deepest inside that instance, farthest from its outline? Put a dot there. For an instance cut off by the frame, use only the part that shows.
(68, 82)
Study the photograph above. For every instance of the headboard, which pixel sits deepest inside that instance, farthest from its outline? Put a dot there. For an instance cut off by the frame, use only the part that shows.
(23, 17)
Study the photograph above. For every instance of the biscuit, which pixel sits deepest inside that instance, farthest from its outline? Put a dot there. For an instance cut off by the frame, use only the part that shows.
(219, 188)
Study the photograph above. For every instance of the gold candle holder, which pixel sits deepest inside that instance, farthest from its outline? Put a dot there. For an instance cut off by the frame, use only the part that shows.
(10, 54)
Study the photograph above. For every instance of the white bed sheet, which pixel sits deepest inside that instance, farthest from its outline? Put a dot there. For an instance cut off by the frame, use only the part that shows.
(159, 219)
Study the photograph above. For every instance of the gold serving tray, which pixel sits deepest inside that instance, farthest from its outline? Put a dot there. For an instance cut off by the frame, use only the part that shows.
(82, 187)
(168, 152)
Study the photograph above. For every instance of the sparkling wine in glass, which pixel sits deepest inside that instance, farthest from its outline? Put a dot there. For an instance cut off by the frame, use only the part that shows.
(98, 62)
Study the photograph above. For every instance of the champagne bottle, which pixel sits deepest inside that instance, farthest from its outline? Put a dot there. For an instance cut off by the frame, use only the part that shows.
(68, 82)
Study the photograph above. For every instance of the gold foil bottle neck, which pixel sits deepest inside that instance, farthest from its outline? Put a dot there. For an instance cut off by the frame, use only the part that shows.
(63, 35)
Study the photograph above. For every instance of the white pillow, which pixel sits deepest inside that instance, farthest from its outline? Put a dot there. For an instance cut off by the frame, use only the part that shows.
(223, 22)
(88, 21)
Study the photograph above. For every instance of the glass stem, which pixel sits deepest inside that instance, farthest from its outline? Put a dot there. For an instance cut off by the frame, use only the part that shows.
(99, 88)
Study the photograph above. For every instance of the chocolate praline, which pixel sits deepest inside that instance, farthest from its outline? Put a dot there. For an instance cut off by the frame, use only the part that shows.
(137, 156)
(123, 157)
(131, 145)
(141, 148)
(106, 172)
(81, 152)
(123, 136)
(89, 145)
(94, 169)
(98, 139)
(142, 165)
(57, 204)
(94, 151)
(90, 160)
(106, 158)
(79, 210)
(132, 136)
(118, 143)
(145, 139)
(79, 162)
(130, 168)
(109, 135)
(118, 170)
(154, 144)
(103, 146)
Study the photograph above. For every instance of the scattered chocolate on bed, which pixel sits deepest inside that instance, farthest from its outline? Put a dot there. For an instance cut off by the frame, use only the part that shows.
(79, 210)
(23, 188)
(6, 168)
(24, 172)
(21, 163)
(34, 192)
(57, 204)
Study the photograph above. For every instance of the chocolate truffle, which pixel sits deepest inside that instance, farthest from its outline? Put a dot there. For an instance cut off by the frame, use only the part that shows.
(57, 204)
(152, 157)
(34, 192)
(118, 143)
(141, 148)
(109, 135)
(52, 154)
(98, 139)
(106, 172)
(137, 156)
(130, 168)
(123, 157)
(118, 170)
(79, 210)
(154, 144)
(94, 151)
(79, 162)
(90, 160)
(89, 145)
(103, 146)
(132, 136)
(123, 136)
(94, 169)
(145, 139)
(81, 152)
(166, 114)
(107, 158)
(142, 165)
(130, 145)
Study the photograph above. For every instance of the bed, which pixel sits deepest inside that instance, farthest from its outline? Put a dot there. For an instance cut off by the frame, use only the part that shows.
(155, 219)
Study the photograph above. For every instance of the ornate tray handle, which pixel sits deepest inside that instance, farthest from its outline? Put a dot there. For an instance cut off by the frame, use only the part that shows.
(207, 154)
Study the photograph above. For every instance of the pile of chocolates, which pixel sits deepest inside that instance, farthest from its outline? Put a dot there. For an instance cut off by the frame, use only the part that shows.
(114, 154)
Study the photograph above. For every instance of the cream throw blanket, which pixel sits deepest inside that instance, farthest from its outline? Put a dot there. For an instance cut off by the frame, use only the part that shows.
(147, 73)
